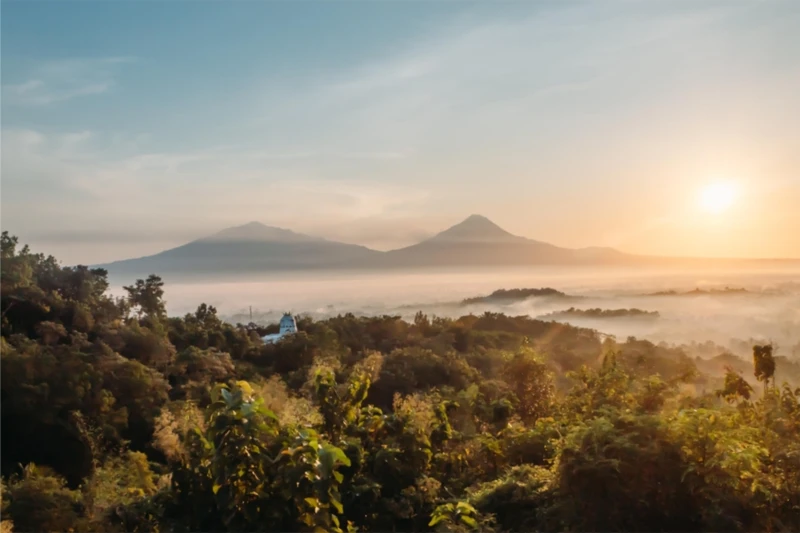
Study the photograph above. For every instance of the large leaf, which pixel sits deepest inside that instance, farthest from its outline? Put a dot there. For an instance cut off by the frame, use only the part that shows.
(330, 456)
(471, 522)
(226, 395)
(464, 507)
(435, 520)
(245, 387)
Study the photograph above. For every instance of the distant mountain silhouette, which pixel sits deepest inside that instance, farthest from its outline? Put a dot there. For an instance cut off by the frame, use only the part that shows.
(258, 232)
(255, 247)
(474, 228)
(477, 241)
(247, 249)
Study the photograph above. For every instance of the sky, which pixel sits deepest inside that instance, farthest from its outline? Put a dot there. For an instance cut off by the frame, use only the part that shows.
(129, 127)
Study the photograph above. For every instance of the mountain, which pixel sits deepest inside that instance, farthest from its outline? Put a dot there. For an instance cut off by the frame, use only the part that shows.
(247, 249)
(256, 248)
(474, 229)
(477, 241)
(258, 232)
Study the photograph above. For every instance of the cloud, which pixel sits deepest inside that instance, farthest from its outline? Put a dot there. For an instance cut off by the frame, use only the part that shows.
(477, 82)
(52, 82)
(93, 194)
(462, 81)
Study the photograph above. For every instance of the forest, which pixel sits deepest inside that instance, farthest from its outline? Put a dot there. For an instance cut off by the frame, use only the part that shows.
(119, 417)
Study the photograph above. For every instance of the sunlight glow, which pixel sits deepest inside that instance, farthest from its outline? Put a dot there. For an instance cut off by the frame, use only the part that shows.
(718, 197)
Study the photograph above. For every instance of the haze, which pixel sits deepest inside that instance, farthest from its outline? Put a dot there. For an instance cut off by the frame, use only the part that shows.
(768, 312)
(663, 128)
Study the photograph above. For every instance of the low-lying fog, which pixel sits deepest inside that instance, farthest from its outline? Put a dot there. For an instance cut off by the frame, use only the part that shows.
(768, 311)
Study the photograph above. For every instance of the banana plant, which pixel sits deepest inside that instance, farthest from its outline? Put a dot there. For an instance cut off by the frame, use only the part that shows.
(454, 517)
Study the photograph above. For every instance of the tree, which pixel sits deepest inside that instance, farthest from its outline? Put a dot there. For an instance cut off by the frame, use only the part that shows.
(621, 472)
(763, 364)
(735, 387)
(532, 383)
(39, 500)
(146, 296)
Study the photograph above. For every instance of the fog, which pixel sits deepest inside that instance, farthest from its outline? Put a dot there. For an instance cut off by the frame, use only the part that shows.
(769, 311)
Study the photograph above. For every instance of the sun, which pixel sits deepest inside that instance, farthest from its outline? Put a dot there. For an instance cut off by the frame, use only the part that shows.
(718, 197)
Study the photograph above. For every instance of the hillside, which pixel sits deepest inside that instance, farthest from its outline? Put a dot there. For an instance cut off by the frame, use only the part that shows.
(514, 295)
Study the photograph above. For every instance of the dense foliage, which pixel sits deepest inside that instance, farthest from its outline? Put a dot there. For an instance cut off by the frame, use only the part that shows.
(117, 417)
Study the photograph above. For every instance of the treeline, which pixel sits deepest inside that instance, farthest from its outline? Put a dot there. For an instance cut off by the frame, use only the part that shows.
(117, 417)
(602, 313)
(701, 292)
(513, 295)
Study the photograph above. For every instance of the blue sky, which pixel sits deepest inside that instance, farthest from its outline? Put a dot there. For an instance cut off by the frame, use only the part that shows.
(132, 126)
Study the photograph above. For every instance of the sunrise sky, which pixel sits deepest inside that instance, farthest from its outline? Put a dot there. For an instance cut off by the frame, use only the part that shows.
(668, 128)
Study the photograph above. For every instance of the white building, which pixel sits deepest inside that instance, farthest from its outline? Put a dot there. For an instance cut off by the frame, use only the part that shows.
(287, 327)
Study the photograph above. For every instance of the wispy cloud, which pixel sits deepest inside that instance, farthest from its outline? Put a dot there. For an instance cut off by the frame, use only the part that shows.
(51, 82)
(181, 193)
(465, 81)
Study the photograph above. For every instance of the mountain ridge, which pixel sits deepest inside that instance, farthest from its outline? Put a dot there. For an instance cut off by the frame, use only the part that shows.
(254, 246)
(475, 242)
(259, 232)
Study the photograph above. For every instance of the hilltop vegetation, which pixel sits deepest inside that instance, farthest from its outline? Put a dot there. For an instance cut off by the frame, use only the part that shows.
(507, 295)
(601, 313)
(118, 417)
(702, 292)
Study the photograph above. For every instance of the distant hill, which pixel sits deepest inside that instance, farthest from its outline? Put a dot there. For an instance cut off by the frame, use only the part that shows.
(727, 291)
(598, 313)
(513, 295)
(247, 249)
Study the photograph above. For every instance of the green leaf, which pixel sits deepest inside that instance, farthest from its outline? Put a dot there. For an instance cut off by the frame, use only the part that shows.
(435, 520)
(216, 488)
(465, 507)
(245, 388)
(337, 505)
(338, 455)
(311, 501)
(226, 395)
(469, 521)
